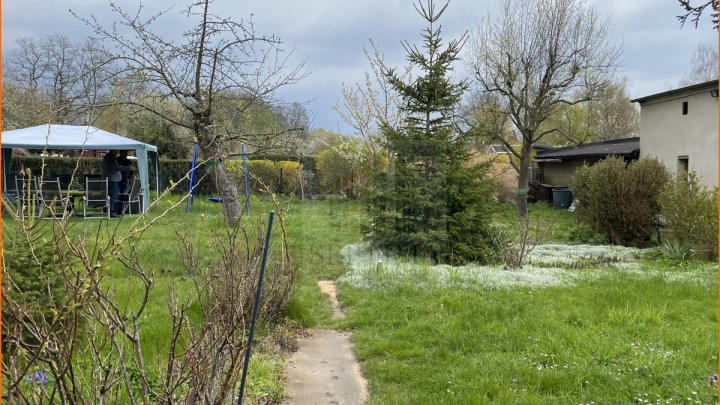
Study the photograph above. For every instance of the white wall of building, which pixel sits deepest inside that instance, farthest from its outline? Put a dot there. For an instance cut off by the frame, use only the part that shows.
(668, 135)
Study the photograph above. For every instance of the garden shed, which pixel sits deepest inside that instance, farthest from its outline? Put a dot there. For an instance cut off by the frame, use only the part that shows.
(557, 166)
(80, 138)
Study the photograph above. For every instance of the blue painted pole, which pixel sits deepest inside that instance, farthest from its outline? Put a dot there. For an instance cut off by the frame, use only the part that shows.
(192, 179)
(245, 172)
(256, 306)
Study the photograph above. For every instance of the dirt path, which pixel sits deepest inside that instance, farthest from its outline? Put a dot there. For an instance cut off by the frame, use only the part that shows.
(328, 287)
(324, 369)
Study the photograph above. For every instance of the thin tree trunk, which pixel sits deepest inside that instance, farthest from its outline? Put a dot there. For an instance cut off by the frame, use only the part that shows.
(523, 180)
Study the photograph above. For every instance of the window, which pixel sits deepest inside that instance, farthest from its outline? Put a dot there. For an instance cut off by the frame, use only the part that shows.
(683, 165)
(685, 108)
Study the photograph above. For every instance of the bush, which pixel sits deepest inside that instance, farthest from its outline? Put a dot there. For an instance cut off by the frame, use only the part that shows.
(689, 214)
(619, 200)
(263, 173)
(57, 166)
(335, 172)
(584, 234)
(503, 175)
(290, 173)
(307, 162)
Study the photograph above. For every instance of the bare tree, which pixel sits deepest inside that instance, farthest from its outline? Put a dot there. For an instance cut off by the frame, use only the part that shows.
(218, 59)
(610, 115)
(63, 78)
(704, 65)
(367, 105)
(558, 54)
(694, 12)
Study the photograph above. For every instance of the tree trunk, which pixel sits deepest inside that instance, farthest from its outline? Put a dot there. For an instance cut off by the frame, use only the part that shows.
(225, 184)
(525, 156)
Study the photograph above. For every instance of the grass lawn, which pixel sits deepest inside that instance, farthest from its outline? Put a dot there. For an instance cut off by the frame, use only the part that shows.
(313, 229)
(610, 336)
(618, 339)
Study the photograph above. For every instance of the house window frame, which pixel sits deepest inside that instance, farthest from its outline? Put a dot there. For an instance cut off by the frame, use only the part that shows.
(683, 165)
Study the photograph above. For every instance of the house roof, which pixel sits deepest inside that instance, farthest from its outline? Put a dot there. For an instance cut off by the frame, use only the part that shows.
(621, 147)
(712, 84)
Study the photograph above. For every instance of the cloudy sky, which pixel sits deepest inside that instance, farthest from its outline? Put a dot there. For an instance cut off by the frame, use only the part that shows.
(330, 35)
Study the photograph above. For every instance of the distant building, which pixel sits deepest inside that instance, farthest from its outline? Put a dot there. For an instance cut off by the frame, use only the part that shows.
(557, 166)
(680, 128)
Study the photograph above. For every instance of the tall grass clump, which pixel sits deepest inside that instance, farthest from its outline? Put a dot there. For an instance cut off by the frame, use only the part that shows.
(690, 215)
(620, 200)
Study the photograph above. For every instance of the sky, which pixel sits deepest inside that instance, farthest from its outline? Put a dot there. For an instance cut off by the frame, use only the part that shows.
(329, 35)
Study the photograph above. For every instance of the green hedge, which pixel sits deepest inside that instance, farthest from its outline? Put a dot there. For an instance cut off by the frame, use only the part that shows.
(56, 166)
(172, 171)
(308, 162)
(279, 177)
(690, 214)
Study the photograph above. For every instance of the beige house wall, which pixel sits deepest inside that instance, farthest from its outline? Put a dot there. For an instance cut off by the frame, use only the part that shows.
(667, 134)
(560, 174)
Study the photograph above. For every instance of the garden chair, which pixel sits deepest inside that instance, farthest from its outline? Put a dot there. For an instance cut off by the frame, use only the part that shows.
(96, 201)
(132, 199)
(10, 193)
(52, 199)
(28, 202)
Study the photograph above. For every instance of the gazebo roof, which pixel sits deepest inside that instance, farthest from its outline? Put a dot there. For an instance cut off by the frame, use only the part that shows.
(74, 137)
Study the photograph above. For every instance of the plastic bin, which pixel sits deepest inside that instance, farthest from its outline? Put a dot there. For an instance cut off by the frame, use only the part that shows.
(562, 198)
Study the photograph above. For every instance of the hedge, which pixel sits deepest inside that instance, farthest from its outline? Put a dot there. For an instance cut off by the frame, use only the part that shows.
(307, 162)
(172, 171)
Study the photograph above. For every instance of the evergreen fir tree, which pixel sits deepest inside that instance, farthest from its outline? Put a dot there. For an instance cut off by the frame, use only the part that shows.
(432, 202)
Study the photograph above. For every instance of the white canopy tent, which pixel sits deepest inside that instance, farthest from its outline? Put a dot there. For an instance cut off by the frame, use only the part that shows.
(83, 138)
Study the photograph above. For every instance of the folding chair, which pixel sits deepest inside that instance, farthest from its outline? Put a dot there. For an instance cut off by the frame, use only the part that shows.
(96, 201)
(28, 201)
(10, 194)
(133, 198)
(51, 197)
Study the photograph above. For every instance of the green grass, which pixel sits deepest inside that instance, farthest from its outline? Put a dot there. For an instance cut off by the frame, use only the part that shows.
(613, 338)
(314, 229)
(606, 341)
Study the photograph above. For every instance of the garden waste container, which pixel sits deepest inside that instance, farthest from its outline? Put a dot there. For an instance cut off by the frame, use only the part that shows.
(562, 197)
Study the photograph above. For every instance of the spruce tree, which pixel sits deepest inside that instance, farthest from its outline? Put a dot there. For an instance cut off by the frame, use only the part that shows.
(432, 202)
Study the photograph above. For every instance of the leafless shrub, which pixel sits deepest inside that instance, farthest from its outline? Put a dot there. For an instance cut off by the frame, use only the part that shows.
(514, 246)
(83, 344)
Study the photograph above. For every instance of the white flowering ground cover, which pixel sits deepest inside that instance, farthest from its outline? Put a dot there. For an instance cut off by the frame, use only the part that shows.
(578, 325)
(548, 265)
